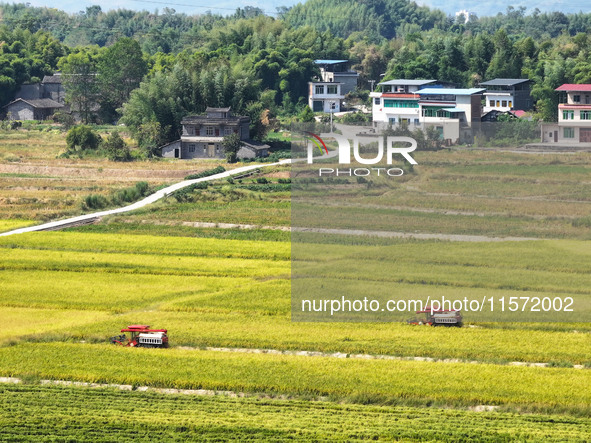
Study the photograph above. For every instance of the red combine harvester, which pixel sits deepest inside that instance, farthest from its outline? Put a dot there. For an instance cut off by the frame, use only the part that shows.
(142, 337)
(438, 317)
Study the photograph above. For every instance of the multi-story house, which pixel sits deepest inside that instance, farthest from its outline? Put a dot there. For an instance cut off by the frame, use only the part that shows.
(327, 93)
(398, 102)
(507, 94)
(574, 116)
(451, 110)
(424, 103)
(336, 71)
(203, 136)
(325, 96)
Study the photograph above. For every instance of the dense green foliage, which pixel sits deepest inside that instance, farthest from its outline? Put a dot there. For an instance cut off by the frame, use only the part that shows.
(377, 20)
(126, 195)
(120, 69)
(165, 31)
(260, 65)
(81, 138)
(25, 57)
(79, 81)
(116, 148)
(231, 145)
(372, 19)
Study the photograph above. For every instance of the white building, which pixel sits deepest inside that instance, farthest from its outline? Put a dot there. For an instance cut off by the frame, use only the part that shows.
(450, 109)
(574, 116)
(466, 14)
(325, 96)
(398, 102)
(420, 103)
(336, 71)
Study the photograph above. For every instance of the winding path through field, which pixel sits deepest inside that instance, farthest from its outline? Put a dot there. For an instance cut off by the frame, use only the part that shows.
(87, 218)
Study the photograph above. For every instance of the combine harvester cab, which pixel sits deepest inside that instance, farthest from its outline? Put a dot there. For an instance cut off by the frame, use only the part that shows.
(142, 337)
(441, 317)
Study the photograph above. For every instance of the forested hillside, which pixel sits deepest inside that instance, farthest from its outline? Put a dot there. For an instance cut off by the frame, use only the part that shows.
(371, 19)
(377, 20)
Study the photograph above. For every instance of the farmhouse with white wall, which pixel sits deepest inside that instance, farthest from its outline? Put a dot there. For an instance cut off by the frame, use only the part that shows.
(328, 92)
(398, 102)
(574, 116)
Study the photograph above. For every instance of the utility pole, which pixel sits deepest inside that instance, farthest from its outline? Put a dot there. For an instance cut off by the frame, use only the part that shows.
(331, 112)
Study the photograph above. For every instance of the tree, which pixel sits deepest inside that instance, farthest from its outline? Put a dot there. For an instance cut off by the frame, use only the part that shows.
(149, 137)
(120, 70)
(79, 72)
(231, 144)
(307, 115)
(7, 88)
(434, 137)
(81, 138)
(116, 148)
(154, 111)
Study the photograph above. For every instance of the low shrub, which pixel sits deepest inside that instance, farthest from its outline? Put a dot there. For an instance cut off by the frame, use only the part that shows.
(207, 173)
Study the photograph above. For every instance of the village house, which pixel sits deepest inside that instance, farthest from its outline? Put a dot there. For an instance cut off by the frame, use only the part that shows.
(424, 103)
(336, 71)
(574, 116)
(31, 109)
(203, 136)
(398, 102)
(38, 101)
(451, 110)
(325, 96)
(327, 93)
(507, 94)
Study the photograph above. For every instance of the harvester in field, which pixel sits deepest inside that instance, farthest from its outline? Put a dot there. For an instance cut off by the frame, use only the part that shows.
(438, 317)
(142, 337)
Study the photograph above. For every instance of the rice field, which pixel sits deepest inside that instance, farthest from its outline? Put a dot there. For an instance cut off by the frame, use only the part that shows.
(233, 293)
(63, 294)
(104, 415)
(380, 381)
(9, 225)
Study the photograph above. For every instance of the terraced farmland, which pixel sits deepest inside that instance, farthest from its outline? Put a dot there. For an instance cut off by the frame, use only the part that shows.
(224, 295)
(229, 293)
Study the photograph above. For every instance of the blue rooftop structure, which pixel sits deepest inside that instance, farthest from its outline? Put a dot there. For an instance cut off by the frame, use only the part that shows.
(454, 110)
(329, 62)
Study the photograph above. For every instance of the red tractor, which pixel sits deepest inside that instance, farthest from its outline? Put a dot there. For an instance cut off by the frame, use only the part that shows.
(439, 317)
(142, 337)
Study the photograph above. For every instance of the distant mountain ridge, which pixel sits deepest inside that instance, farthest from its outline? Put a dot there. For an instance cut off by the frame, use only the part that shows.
(224, 7)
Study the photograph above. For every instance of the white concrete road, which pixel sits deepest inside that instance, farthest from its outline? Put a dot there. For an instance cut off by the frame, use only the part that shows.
(86, 218)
